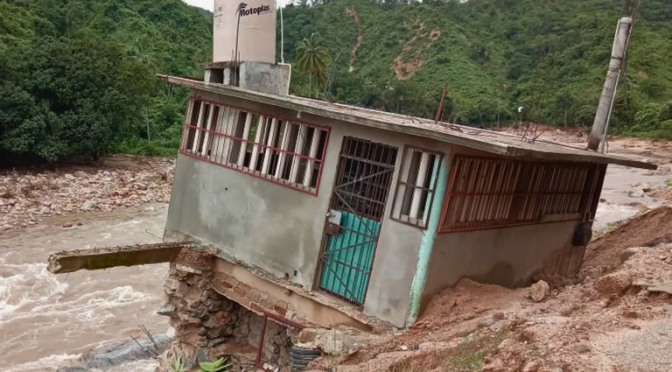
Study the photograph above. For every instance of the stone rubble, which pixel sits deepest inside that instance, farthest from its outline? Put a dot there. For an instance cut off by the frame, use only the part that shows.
(26, 198)
(539, 291)
(208, 325)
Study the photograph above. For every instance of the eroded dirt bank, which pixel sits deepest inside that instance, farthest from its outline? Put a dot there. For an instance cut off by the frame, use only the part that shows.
(616, 316)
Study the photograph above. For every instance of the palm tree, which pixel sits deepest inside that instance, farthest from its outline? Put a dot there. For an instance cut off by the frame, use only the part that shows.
(312, 59)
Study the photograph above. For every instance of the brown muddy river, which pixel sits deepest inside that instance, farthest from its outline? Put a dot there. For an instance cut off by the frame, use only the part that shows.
(47, 320)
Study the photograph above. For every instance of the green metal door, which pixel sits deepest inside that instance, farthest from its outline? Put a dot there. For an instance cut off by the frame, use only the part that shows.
(358, 202)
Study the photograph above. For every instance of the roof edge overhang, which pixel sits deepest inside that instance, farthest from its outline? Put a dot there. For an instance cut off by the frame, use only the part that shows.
(577, 154)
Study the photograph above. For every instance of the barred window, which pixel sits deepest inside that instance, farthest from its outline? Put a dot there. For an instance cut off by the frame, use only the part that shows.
(264, 146)
(488, 193)
(415, 186)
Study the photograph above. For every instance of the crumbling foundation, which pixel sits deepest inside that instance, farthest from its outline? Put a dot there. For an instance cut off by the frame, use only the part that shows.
(209, 326)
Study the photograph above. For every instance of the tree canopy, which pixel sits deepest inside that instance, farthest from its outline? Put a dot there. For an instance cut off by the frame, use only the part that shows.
(495, 55)
(77, 77)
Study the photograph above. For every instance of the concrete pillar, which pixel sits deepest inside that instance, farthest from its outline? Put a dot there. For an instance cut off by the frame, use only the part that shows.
(611, 83)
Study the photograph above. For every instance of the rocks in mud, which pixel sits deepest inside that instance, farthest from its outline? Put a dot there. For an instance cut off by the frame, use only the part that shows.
(532, 366)
(208, 325)
(166, 310)
(539, 291)
(89, 205)
(613, 284)
(27, 198)
(341, 341)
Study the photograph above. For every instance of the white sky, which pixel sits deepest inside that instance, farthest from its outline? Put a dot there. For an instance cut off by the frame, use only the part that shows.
(210, 4)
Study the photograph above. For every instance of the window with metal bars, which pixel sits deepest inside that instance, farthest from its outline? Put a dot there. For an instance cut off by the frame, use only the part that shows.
(280, 151)
(363, 177)
(415, 186)
(489, 193)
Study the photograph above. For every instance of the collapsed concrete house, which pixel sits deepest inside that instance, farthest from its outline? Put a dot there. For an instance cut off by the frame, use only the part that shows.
(317, 214)
(345, 207)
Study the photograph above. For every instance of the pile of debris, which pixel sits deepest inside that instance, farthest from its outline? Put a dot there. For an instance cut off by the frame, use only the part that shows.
(26, 198)
(616, 316)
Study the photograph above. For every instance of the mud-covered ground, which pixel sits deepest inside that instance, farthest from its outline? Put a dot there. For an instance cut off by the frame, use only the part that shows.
(615, 317)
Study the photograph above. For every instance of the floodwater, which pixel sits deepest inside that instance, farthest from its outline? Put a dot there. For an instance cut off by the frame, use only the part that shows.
(619, 202)
(47, 320)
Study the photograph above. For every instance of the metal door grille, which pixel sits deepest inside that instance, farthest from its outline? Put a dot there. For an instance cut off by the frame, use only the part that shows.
(360, 194)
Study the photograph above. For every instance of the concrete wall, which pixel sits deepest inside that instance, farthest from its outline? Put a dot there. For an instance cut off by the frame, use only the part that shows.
(264, 77)
(507, 256)
(280, 229)
(504, 256)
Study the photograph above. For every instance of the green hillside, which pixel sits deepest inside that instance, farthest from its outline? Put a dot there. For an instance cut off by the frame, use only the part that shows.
(77, 76)
(495, 55)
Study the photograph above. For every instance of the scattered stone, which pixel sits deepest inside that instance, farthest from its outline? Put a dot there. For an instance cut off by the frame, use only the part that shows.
(341, 341)
(539, 291)
(613, 284)
(532, 366)
(55, 194)
(67, 224)
(88, 205)
(166, 310)
(188, 269)
(403, 348)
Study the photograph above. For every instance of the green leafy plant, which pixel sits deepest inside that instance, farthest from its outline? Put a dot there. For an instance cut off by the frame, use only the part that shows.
(219, 365)
(177, 365)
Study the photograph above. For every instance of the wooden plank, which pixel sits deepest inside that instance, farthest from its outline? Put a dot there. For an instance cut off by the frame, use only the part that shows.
(108, 257)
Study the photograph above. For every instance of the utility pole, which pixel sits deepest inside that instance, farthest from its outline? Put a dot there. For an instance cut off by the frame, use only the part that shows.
(598, 133)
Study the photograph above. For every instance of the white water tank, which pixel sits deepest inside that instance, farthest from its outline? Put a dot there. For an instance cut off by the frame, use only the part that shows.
(252, 23)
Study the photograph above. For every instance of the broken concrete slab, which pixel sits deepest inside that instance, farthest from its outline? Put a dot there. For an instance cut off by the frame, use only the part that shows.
(108, 257)
(662, 288)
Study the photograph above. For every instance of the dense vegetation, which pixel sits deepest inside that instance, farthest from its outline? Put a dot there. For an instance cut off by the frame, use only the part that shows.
(77, 76)
(495, 55)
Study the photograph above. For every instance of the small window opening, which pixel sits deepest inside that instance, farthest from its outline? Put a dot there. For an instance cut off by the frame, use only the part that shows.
(415, 187)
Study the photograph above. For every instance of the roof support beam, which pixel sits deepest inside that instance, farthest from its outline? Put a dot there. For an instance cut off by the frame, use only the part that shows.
(108, 257)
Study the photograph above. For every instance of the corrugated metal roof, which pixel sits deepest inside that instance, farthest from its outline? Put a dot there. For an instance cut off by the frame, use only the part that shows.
(480, 139)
